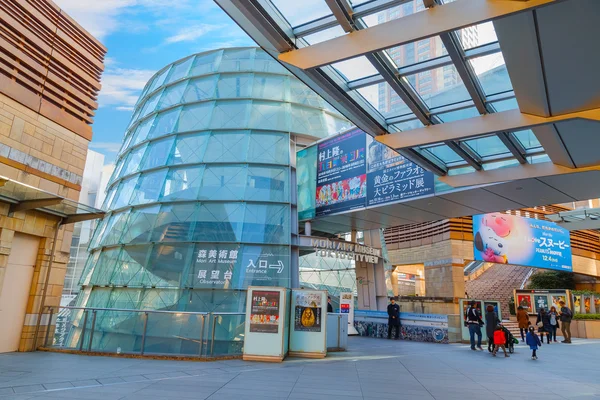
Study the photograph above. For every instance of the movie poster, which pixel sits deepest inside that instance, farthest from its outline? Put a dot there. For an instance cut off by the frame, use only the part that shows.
(556, 299)
(341, 173)
(508, 239)
(524, 300)
(541, 301)
(264, 312)
(307, 315)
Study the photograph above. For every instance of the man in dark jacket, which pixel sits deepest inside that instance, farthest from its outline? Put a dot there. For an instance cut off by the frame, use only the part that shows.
(329, 306)
(474, 323)
(393, 311)
(565, 318)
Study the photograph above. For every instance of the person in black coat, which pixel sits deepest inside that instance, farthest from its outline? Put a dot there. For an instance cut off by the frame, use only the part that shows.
(329, 306)
(491, 322)
(393, 311)
(543, 323)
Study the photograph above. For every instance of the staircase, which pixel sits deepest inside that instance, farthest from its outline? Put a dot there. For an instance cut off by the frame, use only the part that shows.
(497, 283)
(513, 327)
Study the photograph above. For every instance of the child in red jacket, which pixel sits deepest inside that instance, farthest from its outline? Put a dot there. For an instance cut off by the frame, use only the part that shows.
(499, 341)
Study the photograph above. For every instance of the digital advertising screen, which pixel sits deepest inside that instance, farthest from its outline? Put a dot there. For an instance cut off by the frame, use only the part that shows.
(508, 239)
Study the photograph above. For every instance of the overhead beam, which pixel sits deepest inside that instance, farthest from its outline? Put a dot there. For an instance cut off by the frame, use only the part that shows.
(506, 121)
(418, 26)
(27, 205)
(342, 11)
(517, 150)
(71, 219)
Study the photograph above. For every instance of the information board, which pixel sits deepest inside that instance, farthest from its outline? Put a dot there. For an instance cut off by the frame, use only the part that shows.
(264, 311)
(341, 173)
(508, 239)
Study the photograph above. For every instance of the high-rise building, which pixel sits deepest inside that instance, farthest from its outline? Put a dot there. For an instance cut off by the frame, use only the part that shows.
(202, 201)
(49, 81)
(427, 83)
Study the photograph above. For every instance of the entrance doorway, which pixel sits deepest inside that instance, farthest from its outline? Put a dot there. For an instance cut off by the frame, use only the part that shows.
(15, 290)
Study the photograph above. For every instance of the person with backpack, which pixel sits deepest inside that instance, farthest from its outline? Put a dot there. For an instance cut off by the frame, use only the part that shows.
(565, 319)
(553, 323)
(543, 323)
(533, 341)
(474, 322)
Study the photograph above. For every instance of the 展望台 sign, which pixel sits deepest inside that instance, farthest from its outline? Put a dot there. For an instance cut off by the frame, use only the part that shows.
(508, 239)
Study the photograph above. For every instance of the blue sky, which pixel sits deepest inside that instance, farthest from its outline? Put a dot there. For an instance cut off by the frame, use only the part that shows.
(142, 36)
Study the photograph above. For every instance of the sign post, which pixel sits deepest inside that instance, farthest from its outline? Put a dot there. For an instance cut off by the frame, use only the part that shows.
(347, 307)
(266, 329)
(308, 323)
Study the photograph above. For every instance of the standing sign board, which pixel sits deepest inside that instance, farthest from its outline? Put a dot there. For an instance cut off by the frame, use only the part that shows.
(308, 323)
(266, 328)
(347, 307)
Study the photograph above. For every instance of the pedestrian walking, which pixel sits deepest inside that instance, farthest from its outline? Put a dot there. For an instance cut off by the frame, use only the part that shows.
(491, 321)
(499, 341)
(523, 320)
(474, 323)
(565, 321)
(534, 342)
(393, 311)
(543, 323)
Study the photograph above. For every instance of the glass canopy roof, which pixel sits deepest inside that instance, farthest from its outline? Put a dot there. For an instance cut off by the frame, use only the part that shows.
(23, 197)
(444, 78)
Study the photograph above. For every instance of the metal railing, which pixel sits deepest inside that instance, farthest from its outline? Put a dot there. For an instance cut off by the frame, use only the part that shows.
(145, 332)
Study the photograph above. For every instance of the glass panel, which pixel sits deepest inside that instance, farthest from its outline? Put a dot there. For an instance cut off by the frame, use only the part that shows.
(492, 73)
(130, 267)
(355, 68)
(270, 115)
(440, 86)
(268, 184)
(114, 229)
(206, 63)
(416, 52)
(232, 86)
(105, 266)
(408, 125)
(224, 182)
(219, 222)
(500, 164)
(179, 334)
(134, 158)
(272, 87)
(172, 95)
(175, 222)
(189, 149)
(195, 117)
(237, 60)
(140, 224)
(269, 148)
(300, 93)
(125, 191)
(540, 158)
(150, 104)
(201, 89)
(164, 123)
(230, 114)
(149, 187)
(298, 13)
(408, 8)
(308, 121)
(157, 153)
(263, 62)
(180, 70)
(264, 223)
(527, 139)
(141, 132)
(226, 146)
(444, 153)
(169, 261)
(505, 105)
(109, 328)
(487, 146)
(336, 124)
(327, 34)
(477, 35)
(385, 100)
(182, 184)
(229, 335)
(459, 114)
(159, 80)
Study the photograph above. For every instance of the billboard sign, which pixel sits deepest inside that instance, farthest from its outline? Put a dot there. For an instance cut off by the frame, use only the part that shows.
(391, 177)
(341, 173)
(508, 239)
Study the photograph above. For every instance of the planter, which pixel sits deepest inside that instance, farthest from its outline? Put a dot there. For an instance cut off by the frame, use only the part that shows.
(585, 328)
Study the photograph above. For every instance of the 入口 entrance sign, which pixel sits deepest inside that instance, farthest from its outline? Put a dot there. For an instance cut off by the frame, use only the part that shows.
(345, 250)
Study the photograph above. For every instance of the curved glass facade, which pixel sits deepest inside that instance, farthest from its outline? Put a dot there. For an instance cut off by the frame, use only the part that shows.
(202, 200)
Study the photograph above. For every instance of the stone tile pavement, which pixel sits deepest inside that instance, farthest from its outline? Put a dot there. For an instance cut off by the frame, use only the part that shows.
(371, 369)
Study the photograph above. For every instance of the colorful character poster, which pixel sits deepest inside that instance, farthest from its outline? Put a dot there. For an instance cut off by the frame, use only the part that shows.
(341, 173)
(577, 304)
(264, 312)
(307, 315)
(508, 239)
(524, 300)
(391, 177)
(541, 301)
(556, 299)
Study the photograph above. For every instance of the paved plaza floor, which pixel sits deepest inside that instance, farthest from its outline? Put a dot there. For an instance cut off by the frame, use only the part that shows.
(371, 369)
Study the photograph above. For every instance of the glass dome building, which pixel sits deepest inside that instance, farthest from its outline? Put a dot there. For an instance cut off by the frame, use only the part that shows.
(202, 202)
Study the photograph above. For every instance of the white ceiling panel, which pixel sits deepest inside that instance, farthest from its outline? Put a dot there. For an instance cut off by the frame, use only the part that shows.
(443, 206)
(582, 140)
(483, 200)
(530, 192)
(581, 186)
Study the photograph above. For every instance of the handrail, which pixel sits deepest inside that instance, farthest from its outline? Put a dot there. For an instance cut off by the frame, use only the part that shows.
(137, 311)
(531, 270)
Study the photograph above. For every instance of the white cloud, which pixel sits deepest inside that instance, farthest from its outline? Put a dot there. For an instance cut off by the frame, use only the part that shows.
(109, 147)
(124, 108)
(190, 33)
(122, 86)
(100, 18)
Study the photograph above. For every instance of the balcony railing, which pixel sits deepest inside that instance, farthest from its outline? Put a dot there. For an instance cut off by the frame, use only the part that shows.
(145, 332)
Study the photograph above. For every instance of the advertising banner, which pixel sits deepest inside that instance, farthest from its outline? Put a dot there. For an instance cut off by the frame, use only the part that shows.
(391, 177)
(341, 173)
(264, 312)
(508, 239)
(307, 315)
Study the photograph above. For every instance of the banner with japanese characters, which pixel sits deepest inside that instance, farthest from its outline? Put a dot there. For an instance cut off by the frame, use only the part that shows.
(509, 239)
(391, 177)
(341, 174)
(264, 311)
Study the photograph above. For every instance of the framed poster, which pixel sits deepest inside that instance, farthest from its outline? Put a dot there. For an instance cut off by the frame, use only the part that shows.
(524, 300)
(307, 313)
(541, 301)
(556, 299)
(264, 312)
